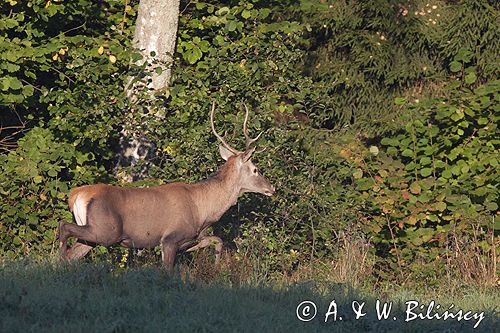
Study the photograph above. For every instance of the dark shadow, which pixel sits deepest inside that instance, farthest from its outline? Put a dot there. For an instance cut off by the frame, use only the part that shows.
(99, 297)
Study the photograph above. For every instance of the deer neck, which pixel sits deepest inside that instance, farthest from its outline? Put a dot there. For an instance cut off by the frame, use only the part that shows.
(217, 194)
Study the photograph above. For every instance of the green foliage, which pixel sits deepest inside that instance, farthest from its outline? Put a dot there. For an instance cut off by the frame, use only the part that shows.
(471, 25)
(62, 73)
(364, 54)
(34, 183)
(380, 120)
(437, 176)
(53, 75)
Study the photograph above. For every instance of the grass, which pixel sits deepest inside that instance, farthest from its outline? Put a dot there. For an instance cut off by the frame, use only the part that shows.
(94, 297)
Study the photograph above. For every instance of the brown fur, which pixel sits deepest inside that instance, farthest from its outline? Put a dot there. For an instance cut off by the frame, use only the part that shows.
(174, 215)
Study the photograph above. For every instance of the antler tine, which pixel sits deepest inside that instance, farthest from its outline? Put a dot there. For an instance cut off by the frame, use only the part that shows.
(248, 141)
(221, 139)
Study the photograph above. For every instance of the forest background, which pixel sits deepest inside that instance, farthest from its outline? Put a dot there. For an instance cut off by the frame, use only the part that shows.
(380, 120)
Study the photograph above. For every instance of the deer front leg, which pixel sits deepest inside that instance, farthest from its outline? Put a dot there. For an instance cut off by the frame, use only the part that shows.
(168, 251)
(208, 241)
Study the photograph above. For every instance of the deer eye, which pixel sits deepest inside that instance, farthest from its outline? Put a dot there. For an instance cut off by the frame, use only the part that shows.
(254, 170)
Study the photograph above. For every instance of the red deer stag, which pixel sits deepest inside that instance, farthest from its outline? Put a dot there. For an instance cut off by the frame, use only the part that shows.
(175, 216)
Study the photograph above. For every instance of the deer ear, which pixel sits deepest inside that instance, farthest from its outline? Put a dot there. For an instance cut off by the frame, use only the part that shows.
(225, 153)
(248, 154)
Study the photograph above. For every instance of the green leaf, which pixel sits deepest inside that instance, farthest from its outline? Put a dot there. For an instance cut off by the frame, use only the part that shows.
(231, 25)
(425, 172)
(374, 150)
(387, 142)
(497, 223)
(222, 11)
(136, 56)
(192, 56)
(463, 55)
(399, 101)
(392, 150)
(455, 170)
(14, 83)
(425, 160)
(447, 174)
(455, 66)
(415, 188)
(246, 14)
(10, 67)
(482, 121)
(28, 90)
(364, 184)
(358, 174)
(264, 13)
(16, 240)
(407, 153)
(492, 206)
(441, 206)
(470, 78)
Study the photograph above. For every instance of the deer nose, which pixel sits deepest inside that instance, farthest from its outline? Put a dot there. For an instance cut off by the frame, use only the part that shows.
(270, 191)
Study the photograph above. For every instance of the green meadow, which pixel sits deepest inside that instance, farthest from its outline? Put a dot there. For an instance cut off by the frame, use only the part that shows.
(93, 297)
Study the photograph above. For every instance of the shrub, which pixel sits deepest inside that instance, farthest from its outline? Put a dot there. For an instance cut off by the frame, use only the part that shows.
(34, 183)
(437, 177)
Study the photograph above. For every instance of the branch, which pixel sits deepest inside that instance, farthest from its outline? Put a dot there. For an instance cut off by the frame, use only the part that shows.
(9, 142)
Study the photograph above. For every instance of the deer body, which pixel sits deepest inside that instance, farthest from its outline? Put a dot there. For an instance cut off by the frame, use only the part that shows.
(175, 216)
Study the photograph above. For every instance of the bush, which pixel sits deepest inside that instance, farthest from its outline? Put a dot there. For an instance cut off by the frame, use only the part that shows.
(333, 86)
(436, 178)
(34, 183)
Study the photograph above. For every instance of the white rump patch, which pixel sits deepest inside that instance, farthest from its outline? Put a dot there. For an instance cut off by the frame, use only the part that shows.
(80, 210)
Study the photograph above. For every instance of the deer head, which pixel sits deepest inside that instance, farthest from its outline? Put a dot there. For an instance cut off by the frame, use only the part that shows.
(248, 176)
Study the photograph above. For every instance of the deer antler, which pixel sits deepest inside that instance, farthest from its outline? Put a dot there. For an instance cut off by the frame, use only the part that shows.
(248, 141)
(221, 139)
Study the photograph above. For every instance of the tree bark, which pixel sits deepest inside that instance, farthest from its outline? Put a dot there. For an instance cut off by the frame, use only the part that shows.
(156, 33)
(155, 36)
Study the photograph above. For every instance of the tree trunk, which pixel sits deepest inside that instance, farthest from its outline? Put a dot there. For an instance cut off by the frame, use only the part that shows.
(155, 36)
(156, 31)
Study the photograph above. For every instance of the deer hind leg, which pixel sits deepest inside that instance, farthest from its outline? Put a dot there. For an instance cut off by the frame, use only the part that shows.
(95, 225)
(103, 235)
(105, 231)
(67, 230)
(63, 239)
(208, 241)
